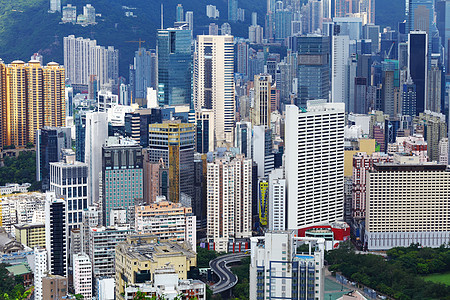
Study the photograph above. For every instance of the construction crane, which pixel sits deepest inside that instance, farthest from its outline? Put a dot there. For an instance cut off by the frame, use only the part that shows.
(140, 42)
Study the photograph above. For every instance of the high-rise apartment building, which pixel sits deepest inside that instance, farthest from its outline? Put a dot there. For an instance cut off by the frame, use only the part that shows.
(418, 66)
(214, 83)
(122, 176)
(40, 271)
(69, 181)
(261, 109)
(277, 271)
(174, 66)
(102, 242)
(229, 200)
(56, 234)
(204, 130)
(168, 221)
(313, 68)
(96, 133)
(31, 235)
(232, 10)
(82, 275)
(277, 200)
(172, 143)
(419, 212)
(84, 58)
(314, 163)
(262, 150)
(55, 5)
(242, 58)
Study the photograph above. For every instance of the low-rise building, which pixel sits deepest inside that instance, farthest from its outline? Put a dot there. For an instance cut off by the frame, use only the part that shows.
(10, 188)
(168, 221)
(139, 256)
(31, 235)
(54, 287)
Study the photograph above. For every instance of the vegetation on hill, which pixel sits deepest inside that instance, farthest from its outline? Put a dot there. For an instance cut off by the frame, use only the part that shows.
(399, 276)
(242, 271)
(20, 170)
(11, 287)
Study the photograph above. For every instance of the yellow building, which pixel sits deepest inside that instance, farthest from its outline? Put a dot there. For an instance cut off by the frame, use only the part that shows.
(140, 255)
(365, 145)
(31, 235)
(32, 96)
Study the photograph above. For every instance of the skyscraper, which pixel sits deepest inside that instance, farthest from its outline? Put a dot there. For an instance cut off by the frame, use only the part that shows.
(418, 65)
(55, 5)
(214, 83)
(174, 66)
(122, 161)
(56, 234)
(232, 10)
(180, 13)
(173, 144)
(96, 134)
(229, 185)
(190, 20)
(262, 150)
(339, 69)
(313, 68)
(261, 109)
(314, 174)
(145, 74)
(420, 16)
(242, 58)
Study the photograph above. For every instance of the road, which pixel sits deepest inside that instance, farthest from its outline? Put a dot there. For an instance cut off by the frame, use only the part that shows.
(219, 266)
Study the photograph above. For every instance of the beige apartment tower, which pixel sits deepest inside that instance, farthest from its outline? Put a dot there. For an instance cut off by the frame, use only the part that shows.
(214, 83)
(261, 109)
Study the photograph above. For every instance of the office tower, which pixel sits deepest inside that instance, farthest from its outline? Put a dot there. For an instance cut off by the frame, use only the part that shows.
(229, 202)
(263, 198)
(173, 144)
(40, 270)
(261, 110)
(54, 287)
(168, 221)
(180, 13)
(435, 129)
(262, 150)
(56, 234)
(214, 83)
(122, 161)
(305, 164)
(434, 87)
(243, 138)
(84, 58)
(55, 5)
(69, 181)
(232, 10)
(388, 90)
(49, 143)
(420, 16)
(409, 98)
(313, 68)
(96, 133)
(274, 262)
(80, 137)
(190, 20)
(418, 66)
(242, 58)
(204, 131)
(283, 19)
(352, 27)
(372, 32)
(130, 259)
(277, 200)
(174, 66)
(145, 74)
(418, 214)
(82, 275)
(102, 243)
(339, 69)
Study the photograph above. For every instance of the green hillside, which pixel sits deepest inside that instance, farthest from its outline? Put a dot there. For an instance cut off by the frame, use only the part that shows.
(27, 27)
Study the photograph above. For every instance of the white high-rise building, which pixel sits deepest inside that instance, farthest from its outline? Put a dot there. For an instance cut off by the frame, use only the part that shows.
(277, 200)
(443, 151)
(55, 5)
(339, 70)
(214, 83)
(229, 200)
(40, 271)
(82, 275)
(277, 271)
(56, 234)
(190, 19)
(262, 150)
(83, 58)
(96, 135)
(314, 163)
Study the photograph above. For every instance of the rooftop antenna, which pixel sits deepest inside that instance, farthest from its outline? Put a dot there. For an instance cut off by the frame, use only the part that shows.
(162, 16)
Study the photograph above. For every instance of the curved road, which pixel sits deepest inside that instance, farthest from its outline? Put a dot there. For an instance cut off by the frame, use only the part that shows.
(227, 279)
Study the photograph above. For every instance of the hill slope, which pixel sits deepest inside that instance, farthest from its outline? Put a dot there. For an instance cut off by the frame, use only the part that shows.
(27, 27)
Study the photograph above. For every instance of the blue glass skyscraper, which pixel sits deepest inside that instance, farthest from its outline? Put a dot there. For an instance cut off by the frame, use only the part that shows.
(174, 66)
